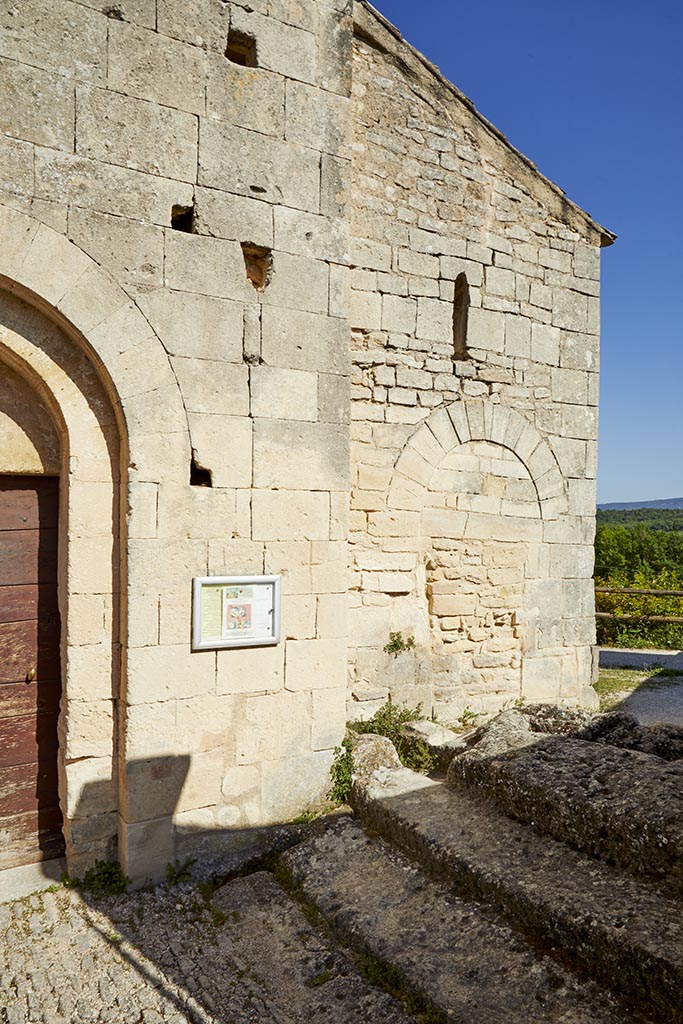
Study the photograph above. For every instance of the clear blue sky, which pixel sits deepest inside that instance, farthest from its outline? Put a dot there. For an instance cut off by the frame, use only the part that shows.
(593, 94)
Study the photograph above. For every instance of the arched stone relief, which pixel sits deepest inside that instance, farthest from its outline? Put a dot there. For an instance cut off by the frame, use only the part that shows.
(53, 274)
(476, 420)
(480, 484)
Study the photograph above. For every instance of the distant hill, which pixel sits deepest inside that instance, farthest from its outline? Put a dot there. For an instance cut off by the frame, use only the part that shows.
(655, 503)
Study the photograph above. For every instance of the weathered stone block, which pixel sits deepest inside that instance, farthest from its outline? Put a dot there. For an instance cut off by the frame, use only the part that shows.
(500, 282)
(291, 454)
(160, 673)
(545, 344)
(541, 678)
(209, 386)
(486, 330)
(291, 560)
(146, 848)
(16, 166)
(329, 718)
(315, 664)
(273, 727)
(136, 133)
(305, 234)
(236, 217)
(194, 21)
(37, 106)
(399, 314)
(132, 252)
(298, 617)
(365, 311)
(333, 398)
(247, 97)
(317, 119)
(298, 283)
(196, 326)
(295, 784)
(246, 162)
(208, 266)
(62, 37)
(290, 515)
(369, 625)
(434, 320)
(154, 67)
(223, 444)
(284, 394)
(96, 186)
(570, 310)
(304, 341)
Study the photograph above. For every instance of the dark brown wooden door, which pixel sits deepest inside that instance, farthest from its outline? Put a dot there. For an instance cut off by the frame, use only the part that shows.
(30, 683)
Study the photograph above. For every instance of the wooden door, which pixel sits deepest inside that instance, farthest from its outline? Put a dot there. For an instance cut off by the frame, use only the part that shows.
(30, 682)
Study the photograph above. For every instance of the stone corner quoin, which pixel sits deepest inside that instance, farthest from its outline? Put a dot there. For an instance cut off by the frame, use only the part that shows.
(268, 309)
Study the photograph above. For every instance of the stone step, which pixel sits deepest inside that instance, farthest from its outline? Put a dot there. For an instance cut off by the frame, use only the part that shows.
(612, 925)
(297, 975)
(461, 958)
(622, 806)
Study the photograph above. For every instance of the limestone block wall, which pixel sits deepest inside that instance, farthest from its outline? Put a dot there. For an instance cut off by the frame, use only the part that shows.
(473, 472)
(173, 181)
(27, 434)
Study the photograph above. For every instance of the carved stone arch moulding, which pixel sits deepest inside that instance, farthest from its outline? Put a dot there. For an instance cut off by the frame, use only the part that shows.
(476, 420)
(41, 266)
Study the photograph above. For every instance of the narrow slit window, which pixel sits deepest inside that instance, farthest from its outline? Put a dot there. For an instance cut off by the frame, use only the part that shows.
(241, 49)
(461, 305)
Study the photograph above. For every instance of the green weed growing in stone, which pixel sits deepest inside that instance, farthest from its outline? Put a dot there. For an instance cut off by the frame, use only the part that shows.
(341, 772)
(179, 871)
(106, 878)
(468, 718)
(397, 645)
(388, 721)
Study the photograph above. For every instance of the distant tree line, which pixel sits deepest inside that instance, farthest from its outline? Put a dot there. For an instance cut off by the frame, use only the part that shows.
(639, 549)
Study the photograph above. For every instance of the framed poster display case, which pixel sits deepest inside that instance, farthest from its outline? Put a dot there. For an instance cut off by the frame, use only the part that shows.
(235, 611)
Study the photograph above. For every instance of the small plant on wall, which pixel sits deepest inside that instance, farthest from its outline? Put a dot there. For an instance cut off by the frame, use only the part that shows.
(397, 645)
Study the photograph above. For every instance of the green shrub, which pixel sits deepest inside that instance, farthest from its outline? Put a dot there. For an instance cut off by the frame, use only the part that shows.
(341, 772)
(106, 878)
(389, 722)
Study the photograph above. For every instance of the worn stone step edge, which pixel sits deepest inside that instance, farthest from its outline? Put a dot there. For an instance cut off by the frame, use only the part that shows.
(597, 918)
(459, 956)
(622, 806)
(295, 971)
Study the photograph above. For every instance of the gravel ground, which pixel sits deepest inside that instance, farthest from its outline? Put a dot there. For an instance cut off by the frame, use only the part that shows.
(659, 703)
(647, 693)
(167, 957)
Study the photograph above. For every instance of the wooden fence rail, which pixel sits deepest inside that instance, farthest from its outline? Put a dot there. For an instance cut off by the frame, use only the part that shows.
(642, 593)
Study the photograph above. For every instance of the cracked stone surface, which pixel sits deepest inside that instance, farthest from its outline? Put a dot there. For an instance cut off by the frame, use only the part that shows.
(165, 957)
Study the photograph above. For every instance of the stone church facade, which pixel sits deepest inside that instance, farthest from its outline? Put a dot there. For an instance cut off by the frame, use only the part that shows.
(274, 299)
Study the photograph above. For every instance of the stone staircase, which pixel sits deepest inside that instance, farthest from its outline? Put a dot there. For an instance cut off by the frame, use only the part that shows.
(540, 882)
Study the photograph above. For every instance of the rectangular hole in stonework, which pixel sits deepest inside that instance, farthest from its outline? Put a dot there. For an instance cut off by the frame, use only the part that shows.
(199, 477)
(182, 218)
(258, 262)
(241, 49)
